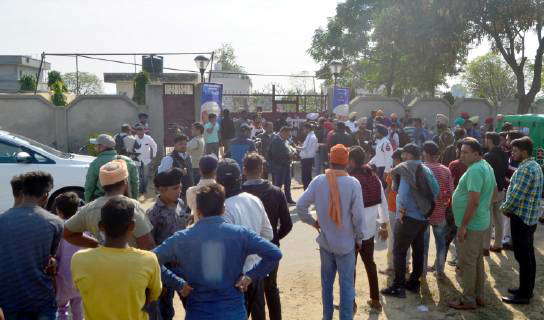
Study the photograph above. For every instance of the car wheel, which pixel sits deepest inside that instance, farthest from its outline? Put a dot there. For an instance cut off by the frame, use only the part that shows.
(78, 191)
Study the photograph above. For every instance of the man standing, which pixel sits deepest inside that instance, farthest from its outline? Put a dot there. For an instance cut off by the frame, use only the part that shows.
(241, 145)
(417, 190)
(242, 208)
(383, 159)
(143, 122)
(351, 124)
(216, 290)
(498, 160)
(280, 161)
(437, 220)
(105, 145)
(307, 153)
(30, 236)
(124, 141)
(420, 134)
(265, 139)
(113, 176)
(470, 205)
(211, 135)
(522, 205)
(277, 210)
(179, 158)
(207, 167)
(147, 152)
(226, 129)
(340, 136)
(338, 200)
(195, 149)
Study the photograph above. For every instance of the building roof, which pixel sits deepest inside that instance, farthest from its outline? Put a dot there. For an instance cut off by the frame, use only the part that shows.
(26, 61)
(163, 77)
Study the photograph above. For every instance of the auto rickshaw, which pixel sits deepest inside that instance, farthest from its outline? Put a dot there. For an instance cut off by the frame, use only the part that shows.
(531, 125)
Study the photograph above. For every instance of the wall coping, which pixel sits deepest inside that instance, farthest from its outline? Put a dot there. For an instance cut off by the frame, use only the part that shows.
(376, 98)
(29, 97)
(103, 97)
(462, 100)
(414, 102)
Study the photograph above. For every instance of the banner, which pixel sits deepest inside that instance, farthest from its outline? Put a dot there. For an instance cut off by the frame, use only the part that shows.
(340, 101)
(211, 100)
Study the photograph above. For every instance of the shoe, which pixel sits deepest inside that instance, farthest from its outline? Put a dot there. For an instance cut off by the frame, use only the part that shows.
(515, 299)
(394, 292)
(291, 202)
(496, 250)
(486, 252)
(354, 307)
(515, 291)
(413, 288)
(507, 246)
(452, 263)
(461, 306)
(387, 272)
(480, 302)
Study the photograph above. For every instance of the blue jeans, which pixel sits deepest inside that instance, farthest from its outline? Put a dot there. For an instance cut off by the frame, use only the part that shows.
(49, 313)
(439, 231)
(281, 176)
(345, 266)
(143, 170)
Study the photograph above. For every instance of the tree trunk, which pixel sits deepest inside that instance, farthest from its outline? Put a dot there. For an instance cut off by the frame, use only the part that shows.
(524, 104)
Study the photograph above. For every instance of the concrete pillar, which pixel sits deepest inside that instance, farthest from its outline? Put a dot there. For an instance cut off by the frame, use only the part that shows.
(154, 102)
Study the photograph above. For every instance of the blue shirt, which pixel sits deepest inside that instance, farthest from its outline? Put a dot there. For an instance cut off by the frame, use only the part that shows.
(238, 149)
(210, 257)
(212, 137)
(406, 200)
(29, 235)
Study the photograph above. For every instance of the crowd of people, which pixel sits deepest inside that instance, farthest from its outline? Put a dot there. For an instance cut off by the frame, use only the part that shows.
(213, 232)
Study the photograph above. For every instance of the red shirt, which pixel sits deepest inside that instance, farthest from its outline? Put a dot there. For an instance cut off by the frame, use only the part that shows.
(445, 181)
(457, 169)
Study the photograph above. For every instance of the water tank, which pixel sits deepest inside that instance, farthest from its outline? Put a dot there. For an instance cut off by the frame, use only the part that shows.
(152, 64)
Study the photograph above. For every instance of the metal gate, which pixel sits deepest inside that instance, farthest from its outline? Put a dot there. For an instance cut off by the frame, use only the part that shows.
(179, 110)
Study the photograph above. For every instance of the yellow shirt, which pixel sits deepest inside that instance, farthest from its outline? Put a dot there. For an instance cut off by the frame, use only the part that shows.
(113, 282)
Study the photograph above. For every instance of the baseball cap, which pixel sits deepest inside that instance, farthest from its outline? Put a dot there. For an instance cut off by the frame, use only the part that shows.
(104, 139)
(138, 126)
(228, 171)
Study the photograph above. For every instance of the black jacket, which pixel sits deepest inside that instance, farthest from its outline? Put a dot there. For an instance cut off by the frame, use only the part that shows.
(179, 162)
(266, 140)
(278, 153)
(341, 137)
(498, 160)
(276, 208)
(227, 129)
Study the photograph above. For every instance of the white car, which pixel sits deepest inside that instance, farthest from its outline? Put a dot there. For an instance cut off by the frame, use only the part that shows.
(19, 154)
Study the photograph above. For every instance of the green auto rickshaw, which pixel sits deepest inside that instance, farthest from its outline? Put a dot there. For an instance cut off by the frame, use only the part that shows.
(531, 125)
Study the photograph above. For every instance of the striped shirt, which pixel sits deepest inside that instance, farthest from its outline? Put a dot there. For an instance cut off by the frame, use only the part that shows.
(445, 181)
(525, 192)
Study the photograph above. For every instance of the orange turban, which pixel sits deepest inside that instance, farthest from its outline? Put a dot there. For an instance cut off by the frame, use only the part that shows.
(339, 154)
(113, 172)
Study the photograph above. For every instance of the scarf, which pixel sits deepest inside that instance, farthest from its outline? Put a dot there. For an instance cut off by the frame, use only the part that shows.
(335, 211)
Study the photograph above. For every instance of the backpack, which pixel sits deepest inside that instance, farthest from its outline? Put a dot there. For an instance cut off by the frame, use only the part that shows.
(425, 189)
(120, 145)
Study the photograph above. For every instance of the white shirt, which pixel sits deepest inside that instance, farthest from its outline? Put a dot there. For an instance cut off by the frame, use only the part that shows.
(168, 162)
(147, 150)
(384, 154)
(247, 210)
(372, 215)
(191, 194)
(352, 126)
(309, 147)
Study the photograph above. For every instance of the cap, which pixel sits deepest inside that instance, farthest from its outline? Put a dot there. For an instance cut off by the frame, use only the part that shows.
(441, 118)
(339, 154)
(228, 171)
(140, 115)
(168, 178)
(474, 119)
(113, 172)
(104, 139)
(125, 126)
(412, 149)
(208, 163)
(489, 120)
(138, 126)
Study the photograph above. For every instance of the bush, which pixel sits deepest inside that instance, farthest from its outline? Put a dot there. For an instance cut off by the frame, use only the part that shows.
(140, 81)
(28, 83)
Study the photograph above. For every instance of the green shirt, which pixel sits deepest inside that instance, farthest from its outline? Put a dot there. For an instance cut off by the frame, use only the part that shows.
(93, 189)
(479, 177)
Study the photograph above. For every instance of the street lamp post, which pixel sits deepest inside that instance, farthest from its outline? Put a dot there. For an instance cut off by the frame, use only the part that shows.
(202, 63)
(335, 68)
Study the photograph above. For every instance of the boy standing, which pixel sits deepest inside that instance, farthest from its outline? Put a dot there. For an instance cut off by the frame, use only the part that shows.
(179, 158)
(168, 216)
(68, 297)
(195, 149)
(116, 281)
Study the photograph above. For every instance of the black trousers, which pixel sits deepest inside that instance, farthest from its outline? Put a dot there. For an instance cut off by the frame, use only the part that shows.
(307, 167)
(408, 233)
(524, 252)
(254, 298)
(272, 294)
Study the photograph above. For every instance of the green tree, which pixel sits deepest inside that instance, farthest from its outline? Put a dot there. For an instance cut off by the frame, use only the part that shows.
(489, 77)
(227, 59)
(27, 83)
(508, 24)
(54, 77)
(58, 89)
(140, 81)
(88, 83)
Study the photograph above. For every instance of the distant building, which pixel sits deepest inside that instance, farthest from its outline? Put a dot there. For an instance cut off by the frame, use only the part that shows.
(124, 82)
(232, 83)
(12, 68)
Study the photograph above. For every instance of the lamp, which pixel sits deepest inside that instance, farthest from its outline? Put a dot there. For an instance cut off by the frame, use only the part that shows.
(202, 63)
(335, 67)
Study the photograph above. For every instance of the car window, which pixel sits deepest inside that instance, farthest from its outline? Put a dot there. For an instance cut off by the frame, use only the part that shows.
(8, 153)
(41, 159)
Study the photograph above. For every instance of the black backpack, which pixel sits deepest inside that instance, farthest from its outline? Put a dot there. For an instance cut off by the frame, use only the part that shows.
(425, 189)
(120, 145)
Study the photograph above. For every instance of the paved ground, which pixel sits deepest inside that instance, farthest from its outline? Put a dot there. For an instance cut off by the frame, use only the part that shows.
(299, 281)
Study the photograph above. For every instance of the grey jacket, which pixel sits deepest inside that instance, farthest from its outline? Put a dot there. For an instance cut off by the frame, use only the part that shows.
(407, 171)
